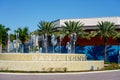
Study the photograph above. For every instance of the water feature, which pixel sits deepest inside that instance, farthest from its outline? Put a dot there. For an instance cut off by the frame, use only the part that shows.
(60, 37)
(17, 42)
(53, 41)
(73, 38)
(68, 47)
(8, 47)
(46, 43)
(74, 42)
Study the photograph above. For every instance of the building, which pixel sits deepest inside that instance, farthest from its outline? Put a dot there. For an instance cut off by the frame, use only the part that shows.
(89, 23)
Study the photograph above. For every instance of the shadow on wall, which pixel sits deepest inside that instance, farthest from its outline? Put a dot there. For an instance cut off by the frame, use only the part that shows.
(97, 53)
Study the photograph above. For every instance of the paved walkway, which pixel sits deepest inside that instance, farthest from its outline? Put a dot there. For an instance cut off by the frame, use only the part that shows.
(97, 75)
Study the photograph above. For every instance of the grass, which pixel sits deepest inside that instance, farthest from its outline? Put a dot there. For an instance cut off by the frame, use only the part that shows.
(111, 66)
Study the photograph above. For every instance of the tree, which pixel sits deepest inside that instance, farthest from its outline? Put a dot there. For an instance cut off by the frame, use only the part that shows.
(46, 29)
(105, 30)
(23, 34)
(3, 35)
(72, 27)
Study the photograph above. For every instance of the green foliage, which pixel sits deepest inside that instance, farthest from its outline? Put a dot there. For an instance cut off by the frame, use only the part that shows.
(105, 30)
(72, 27)
(3, 33)
(46, 27)
(117, 37)
(112, 66)
(92, 34)
(12, 37)
(23, 34)
(3, 36)
(44, 70)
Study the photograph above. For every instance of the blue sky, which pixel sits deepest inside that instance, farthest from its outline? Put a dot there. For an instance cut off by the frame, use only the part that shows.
(21, 13)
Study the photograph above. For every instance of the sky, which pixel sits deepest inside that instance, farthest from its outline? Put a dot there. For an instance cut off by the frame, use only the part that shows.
(28, 13)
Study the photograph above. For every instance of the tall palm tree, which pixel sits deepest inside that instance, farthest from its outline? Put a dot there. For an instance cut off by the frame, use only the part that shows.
(3, 35)
(23, 34)
(105, 30)
(46, 29)
(73, 29)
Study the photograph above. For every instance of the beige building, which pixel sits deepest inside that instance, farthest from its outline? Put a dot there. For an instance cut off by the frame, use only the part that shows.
(89, 23)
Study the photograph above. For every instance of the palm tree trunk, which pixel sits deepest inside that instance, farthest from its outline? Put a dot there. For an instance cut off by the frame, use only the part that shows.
(1, 48)
(0, 45)
(105, 48)
(105, 53)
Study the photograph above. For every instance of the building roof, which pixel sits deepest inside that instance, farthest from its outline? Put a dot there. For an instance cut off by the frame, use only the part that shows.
(89, 21)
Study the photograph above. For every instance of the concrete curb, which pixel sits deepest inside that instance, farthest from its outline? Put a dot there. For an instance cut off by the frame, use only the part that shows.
(6, 73)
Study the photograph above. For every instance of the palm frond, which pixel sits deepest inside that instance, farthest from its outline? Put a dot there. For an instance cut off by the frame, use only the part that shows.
(46, 27)
(71, 27)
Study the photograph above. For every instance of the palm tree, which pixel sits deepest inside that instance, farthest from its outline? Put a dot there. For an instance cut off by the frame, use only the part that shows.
(73, 28)
(3, 35)
(105, 30)
(46, 29)
(23, 34)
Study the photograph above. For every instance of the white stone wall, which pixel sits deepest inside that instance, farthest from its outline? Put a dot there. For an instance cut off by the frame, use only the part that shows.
(47, 62)
(48, 65)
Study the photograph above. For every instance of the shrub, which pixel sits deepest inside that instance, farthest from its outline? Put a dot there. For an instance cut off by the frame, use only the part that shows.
(112, 66)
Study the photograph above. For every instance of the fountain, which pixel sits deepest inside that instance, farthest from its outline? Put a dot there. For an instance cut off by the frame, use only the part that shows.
(73, 38)
(17, 43)
(8, 48)
(53, 41)
(68, 47)
(40, 43)
(60, 37)
(74, 41)
(48, 62)
(45, 43)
